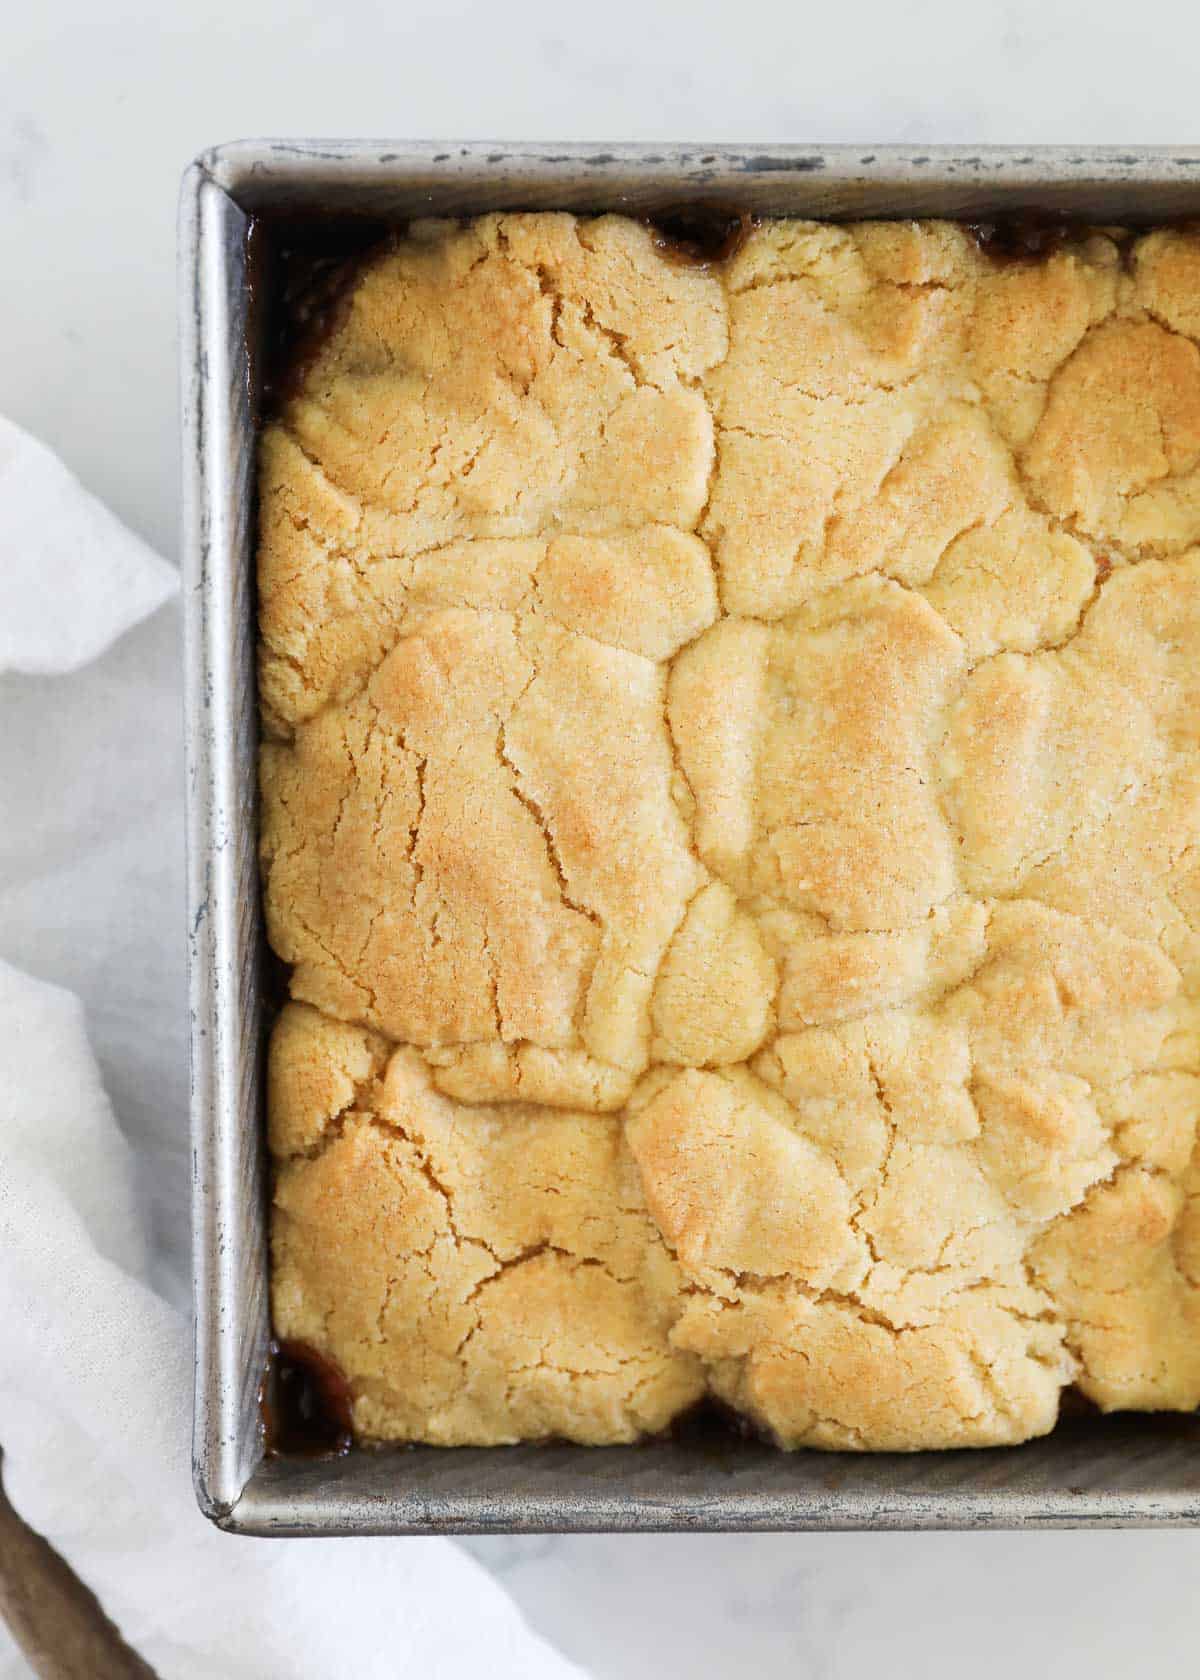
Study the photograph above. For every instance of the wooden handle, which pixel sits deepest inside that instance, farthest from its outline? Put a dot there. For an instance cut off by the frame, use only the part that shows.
(54, 1618)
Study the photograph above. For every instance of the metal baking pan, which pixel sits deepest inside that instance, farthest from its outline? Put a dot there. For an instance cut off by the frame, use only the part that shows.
(1092, 1471)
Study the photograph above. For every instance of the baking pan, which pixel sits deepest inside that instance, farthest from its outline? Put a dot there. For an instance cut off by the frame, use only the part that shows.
(1134, 1469)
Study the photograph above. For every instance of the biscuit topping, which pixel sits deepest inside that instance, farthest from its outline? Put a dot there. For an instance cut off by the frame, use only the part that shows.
(731, 806)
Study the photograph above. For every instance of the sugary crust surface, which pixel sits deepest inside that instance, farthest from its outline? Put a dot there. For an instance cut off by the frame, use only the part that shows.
(731, 805)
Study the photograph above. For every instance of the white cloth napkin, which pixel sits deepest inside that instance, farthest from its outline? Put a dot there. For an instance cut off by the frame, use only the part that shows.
(72, 578)
(95, 1371)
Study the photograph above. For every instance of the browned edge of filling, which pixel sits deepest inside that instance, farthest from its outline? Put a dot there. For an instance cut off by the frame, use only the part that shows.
(300, 273)
(305, 1403)
(700, 235)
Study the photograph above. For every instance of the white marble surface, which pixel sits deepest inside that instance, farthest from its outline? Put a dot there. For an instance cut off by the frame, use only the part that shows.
(100, 108)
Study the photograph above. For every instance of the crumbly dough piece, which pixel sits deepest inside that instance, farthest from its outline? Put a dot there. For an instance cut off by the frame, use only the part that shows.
(521, 379)
(481, 1275)
(458, 854)
(731, 804)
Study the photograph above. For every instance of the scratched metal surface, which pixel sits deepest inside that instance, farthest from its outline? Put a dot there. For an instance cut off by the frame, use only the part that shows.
(1135, 1470)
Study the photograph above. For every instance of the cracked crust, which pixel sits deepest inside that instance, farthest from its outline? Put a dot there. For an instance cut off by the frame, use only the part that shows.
(731, 804)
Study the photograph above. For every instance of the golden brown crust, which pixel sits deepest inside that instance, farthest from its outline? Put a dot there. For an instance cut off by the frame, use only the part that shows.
(731, 803)
(484, 1275)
